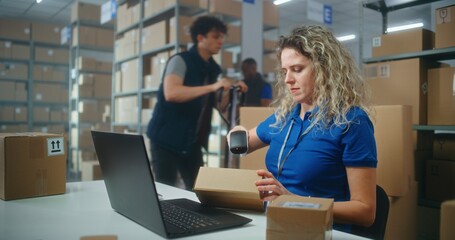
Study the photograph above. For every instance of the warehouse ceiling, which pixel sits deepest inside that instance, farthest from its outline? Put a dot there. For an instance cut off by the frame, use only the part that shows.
(346, 14)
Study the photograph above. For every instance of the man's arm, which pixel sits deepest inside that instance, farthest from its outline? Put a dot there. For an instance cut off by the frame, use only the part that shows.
(175, 91)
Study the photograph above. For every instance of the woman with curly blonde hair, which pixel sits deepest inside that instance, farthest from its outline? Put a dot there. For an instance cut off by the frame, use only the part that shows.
(320, 137)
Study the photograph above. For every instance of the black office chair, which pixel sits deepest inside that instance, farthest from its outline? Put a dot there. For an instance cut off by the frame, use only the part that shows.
(377, 230)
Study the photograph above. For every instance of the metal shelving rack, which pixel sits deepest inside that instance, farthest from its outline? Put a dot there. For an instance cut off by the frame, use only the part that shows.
(75, 125)
(141, 93)
(425, 133)
(31, 123)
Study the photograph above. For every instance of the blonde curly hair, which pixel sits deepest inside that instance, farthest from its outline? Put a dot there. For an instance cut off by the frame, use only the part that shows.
(338, 85)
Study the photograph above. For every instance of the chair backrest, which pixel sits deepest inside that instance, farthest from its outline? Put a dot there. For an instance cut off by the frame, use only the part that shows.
(377, 230)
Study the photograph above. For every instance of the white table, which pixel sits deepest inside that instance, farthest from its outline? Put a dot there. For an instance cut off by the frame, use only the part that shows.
(84, 210)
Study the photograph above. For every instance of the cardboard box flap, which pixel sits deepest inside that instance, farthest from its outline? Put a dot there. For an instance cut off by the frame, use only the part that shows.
(230, 188)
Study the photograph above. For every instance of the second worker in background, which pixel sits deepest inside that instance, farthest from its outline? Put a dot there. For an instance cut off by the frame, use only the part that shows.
(259, 91)
(181, 121)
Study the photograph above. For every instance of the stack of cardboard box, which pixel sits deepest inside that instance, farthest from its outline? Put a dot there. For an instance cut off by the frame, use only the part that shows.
(91, 83)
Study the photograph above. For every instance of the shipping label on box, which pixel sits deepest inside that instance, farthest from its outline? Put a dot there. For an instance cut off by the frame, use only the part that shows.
(32, 164)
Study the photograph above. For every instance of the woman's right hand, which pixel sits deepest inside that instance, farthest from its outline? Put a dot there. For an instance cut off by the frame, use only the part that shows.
(269, 187)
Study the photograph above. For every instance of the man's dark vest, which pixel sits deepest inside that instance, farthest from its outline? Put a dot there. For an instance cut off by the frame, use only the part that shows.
(173, 125)
(255, 87)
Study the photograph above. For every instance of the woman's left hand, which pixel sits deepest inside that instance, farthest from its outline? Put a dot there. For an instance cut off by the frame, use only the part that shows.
(269, 187)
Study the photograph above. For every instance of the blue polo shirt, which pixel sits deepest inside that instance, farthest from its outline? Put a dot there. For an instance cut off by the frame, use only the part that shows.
(317, 165)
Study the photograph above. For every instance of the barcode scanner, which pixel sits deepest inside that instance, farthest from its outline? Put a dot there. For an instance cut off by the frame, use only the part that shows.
(238, 142)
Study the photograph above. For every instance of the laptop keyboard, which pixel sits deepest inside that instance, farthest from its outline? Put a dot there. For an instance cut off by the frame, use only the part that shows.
(185, 219)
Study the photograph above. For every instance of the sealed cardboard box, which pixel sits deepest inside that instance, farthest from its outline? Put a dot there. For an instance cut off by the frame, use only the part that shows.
(440, 180)
(179, 28)
(229, 8)
(388, 79)
(153, 36)
(408, 41)
(296, 217)
(45, 32)
(447, 231)
(441, 96)
(271, 14)
(15, 29)
(32, 165)
(402, 219)
(444, 146)
(445, 27)
(240, 192)
(250, 117)
(393, 134)
(85, 12)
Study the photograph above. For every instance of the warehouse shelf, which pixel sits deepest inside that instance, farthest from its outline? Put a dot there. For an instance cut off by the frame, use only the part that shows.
(25, 56)
(424, 133)
(433, 128)
(439, 54)
(91, 54)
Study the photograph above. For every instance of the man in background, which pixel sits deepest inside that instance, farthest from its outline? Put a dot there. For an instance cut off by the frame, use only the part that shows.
(259, 91)
(181, 121)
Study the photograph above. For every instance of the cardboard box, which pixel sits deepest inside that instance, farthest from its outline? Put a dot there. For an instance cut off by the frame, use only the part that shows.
(233, 35)
(126, 110)
(441, 96)
(152, 7)
(408, 41)
(102, 86)
(296, 217)
(180, 28)
(394, 144)
(269, 63)
(444, 146)
(225, 59)
(153, 36)
(15, 29)
(229, 8)
(7, 113)
(445, 27)
(20, 52)
(130, 77)
(240, 192)
(31, 165)
(6, 90)
(85, 12)
(20, 113)
(250, 117)
(447, 231)
(45, 32)
(91, 170)
(388, 79)
(440, 180)
(402, 219)
(271, 14)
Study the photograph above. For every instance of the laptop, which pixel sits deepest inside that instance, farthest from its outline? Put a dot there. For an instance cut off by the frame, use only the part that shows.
(132, 192)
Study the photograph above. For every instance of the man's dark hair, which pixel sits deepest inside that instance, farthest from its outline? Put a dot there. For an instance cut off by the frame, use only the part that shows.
(205, 24)
(249, 61)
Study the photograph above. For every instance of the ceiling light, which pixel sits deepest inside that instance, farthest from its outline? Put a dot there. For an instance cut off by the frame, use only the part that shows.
(278, 2)
(346, 38)
(38, 1)
(404, 27)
